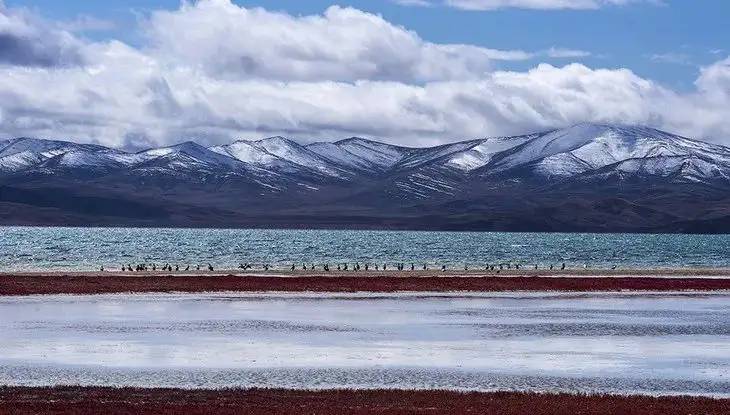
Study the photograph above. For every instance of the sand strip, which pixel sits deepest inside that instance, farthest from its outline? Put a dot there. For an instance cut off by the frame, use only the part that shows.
(102, 284)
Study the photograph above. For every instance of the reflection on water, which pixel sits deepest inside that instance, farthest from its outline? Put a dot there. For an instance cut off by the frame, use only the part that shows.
(653, 343)
(88, 248)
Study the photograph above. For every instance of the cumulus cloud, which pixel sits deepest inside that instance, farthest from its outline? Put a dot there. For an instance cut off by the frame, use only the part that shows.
(326, 81)
(28, 41)
(343, 44)
(524, 4)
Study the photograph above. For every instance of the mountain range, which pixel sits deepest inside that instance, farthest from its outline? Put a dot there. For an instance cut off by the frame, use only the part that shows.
(587, 177)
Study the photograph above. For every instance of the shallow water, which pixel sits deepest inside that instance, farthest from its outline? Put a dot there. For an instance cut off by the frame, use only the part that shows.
(621, 343)
(86, 249)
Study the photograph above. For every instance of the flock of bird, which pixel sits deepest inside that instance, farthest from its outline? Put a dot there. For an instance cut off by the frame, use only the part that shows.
(326, 267)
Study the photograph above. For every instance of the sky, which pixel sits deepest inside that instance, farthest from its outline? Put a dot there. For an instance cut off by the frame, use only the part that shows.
(141, 73)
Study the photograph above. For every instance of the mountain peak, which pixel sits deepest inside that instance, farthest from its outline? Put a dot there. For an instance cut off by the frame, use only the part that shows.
(277, 139)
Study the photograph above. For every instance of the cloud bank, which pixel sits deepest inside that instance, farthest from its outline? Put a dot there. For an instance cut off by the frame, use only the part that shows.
(213, 71)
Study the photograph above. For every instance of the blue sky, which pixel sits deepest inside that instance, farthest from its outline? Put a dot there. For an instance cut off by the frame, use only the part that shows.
(666, 42)
(140, 73)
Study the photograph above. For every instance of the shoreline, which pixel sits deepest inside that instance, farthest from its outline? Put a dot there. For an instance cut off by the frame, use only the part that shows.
(704, 272)
(77, 400)
(110, 283)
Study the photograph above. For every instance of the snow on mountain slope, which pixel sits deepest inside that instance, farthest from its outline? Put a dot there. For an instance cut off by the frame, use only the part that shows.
(258, 158)
(89, 160)
(246, 152)
(185, 156)
(20, 161)
(482, 153)
(371, 155)
(360, 155)
(293, 152)
(589, 147)
(27, 153)
(595, 150)
(422, 156)
(681, 168)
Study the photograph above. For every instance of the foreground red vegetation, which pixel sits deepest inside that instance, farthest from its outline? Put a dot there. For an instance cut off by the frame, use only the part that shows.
(78, 400)
(87, 284)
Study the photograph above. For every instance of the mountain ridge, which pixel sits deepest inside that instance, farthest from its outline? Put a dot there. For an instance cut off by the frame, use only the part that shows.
(524, 182)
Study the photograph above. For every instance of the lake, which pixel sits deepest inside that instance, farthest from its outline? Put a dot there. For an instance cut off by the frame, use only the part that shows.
(595, 342)
(86, 249)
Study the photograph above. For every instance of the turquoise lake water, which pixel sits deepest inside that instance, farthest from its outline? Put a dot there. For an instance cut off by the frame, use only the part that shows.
(78, 249)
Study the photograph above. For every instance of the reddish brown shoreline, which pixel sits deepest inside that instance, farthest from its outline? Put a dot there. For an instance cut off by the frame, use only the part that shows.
(90, 284)
(93, 400)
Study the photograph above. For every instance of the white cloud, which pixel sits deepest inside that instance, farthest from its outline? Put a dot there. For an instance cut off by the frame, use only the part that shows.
(29, 41)
(343, 44)
(554, 52)
(162, 93)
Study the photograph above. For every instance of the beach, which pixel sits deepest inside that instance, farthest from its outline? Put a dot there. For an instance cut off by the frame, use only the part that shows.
(408, 281)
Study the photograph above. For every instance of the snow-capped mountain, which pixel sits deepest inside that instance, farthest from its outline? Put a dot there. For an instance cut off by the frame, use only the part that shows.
(594, 148)
(282, 155)
(185, 156)
(615, 172)
(361, 155)
(27, 153)
(583, 149)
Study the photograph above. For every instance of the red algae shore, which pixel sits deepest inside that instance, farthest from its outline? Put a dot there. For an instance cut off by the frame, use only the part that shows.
(18, 285)
(94, 400)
